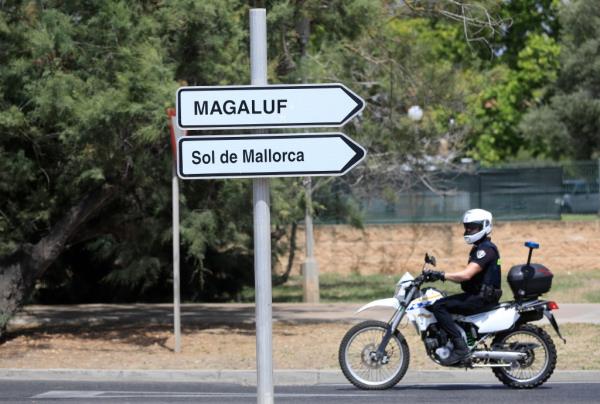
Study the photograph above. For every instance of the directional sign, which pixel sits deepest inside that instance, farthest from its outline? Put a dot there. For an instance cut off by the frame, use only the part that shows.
(292, 155)
(277, 106)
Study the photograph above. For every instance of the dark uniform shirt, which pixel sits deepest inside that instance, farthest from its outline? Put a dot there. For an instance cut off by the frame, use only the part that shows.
(486, 255)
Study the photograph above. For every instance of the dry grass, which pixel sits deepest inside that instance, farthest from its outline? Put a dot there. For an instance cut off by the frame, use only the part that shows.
(298, 346)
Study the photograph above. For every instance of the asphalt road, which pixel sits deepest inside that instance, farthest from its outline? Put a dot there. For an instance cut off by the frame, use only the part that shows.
(21, 391)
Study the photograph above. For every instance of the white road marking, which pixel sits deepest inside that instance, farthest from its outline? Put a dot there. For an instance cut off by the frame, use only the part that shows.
(80, 394)
(69, 394)
(73, 394)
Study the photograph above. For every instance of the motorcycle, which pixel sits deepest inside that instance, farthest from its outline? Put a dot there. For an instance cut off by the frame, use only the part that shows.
(374, 355)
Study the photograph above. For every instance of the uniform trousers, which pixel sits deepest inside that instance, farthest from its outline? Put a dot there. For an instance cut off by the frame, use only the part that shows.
(462, 303)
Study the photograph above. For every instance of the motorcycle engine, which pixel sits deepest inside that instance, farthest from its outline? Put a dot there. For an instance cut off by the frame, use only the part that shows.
(435, 339)
(431, 344)
(437, 343)
(442, 352)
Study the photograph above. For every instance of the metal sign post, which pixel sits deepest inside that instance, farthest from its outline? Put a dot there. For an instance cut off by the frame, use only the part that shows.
(262, 227)
(176, 133)
(176, 277)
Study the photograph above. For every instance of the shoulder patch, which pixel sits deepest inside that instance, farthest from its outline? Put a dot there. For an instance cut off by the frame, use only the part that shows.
(480, 254)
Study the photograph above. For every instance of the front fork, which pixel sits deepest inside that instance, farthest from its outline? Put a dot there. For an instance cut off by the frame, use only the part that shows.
(392, 325)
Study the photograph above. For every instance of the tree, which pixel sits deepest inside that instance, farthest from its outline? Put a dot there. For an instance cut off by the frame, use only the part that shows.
(565, 123)
(522, 20)
(82, 94)
(522, 59)
(508, 94)
(84, 153)
(76, 112)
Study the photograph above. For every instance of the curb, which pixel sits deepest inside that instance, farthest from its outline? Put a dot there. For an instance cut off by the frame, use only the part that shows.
(280, 377)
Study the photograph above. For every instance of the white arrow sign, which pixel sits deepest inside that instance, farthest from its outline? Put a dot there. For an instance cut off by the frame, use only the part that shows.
(244, 156)
(277, 106)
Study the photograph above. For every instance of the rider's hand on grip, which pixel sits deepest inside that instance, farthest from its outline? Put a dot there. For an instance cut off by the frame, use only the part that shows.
(432, 276)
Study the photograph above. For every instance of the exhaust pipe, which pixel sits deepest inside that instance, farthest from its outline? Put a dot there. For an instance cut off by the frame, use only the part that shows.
(506, 356)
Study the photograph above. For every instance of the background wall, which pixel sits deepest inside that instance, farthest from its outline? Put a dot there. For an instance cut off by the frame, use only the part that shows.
(565, 246)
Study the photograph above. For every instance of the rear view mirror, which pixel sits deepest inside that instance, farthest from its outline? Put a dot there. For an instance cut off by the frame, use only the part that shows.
(429, 259)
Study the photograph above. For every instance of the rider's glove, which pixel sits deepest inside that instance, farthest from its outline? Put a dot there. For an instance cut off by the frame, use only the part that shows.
(432, 276)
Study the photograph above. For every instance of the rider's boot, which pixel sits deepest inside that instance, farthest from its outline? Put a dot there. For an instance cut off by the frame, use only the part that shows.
(460, 352)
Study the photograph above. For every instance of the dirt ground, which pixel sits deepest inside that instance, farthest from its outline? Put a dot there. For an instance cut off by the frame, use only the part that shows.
(297, 346)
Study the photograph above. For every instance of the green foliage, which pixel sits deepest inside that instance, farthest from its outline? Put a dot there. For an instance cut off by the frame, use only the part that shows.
(207, 40)
(566, 123)
(509, 77)
(83, 94)
(84, 86)
(499, 108)
(525, 18)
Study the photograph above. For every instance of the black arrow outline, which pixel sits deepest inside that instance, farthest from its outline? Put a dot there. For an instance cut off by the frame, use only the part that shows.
(360, 105)
(359, 155)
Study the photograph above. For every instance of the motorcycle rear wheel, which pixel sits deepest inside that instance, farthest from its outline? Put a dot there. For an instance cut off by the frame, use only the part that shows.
(539, 364)
(356, 356)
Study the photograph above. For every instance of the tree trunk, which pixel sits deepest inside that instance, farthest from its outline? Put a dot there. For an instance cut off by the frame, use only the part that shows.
(20, 270)
(280, 280)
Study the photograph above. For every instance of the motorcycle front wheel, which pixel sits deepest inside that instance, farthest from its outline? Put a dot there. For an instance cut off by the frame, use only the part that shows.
(357, 356)
(539, 363)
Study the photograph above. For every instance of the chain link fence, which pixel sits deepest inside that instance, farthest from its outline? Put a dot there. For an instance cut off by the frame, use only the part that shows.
(511, 192)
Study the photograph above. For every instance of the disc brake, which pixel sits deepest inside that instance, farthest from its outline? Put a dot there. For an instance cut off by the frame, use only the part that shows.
(369, 357)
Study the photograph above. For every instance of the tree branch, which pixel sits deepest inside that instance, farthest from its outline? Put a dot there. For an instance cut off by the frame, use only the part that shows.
(47, 250)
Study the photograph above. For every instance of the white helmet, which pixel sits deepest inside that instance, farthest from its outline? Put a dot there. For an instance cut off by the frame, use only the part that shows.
(478, 224)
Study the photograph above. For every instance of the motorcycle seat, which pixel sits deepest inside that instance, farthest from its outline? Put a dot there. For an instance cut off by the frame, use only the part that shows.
(484, 309)
(492, 307)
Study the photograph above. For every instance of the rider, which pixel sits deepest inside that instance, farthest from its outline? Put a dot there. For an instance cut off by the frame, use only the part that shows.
(480, 282)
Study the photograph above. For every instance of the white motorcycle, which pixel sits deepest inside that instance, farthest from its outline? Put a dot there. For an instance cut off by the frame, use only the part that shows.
(374, 355)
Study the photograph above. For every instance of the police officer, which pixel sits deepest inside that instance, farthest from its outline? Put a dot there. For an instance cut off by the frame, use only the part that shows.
(480, 282)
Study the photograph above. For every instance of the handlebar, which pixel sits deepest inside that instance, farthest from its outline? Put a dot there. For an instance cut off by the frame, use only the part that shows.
(419, 280)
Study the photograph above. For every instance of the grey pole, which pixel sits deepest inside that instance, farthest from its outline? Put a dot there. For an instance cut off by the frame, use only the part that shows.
(176, 298)
(310, 268)
(262, 227)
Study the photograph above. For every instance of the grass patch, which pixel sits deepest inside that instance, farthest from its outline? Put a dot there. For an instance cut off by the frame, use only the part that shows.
(568, 217)
(342, 288)
(334, 288)
(567, 287)
(576, 353)
(576, 287)
(592, 297)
